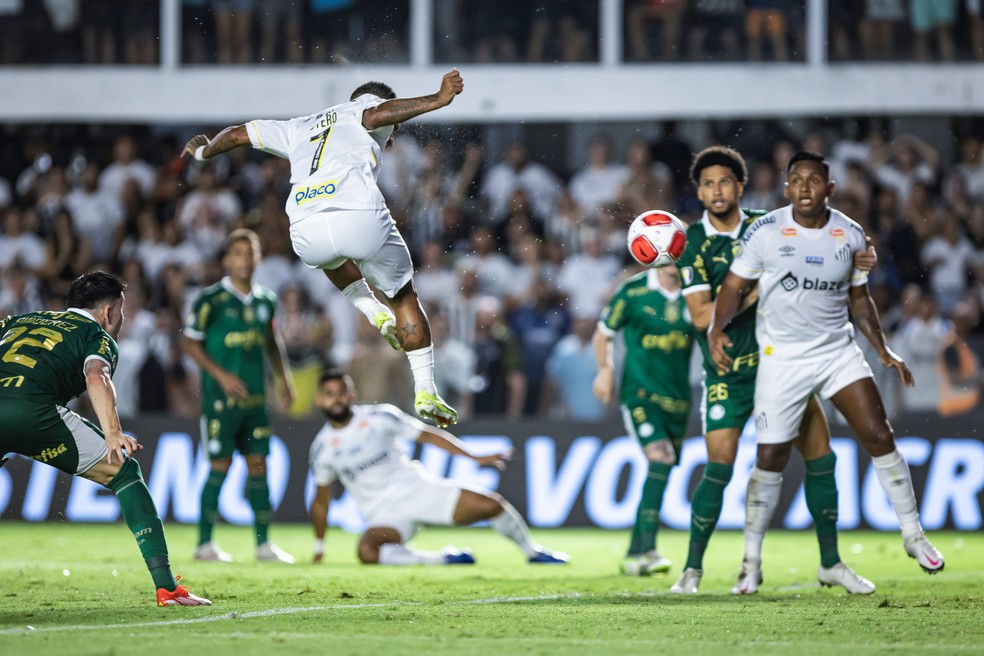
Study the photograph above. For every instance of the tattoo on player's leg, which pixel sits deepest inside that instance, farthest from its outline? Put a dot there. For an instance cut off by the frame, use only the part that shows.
(409, 330)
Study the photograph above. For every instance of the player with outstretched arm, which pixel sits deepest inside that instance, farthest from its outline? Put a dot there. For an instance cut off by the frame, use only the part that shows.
(359, 446)
(806, 339)
(338, 217)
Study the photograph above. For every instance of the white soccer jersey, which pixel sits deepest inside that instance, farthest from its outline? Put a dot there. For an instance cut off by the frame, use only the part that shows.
(804, 278)
(366, 454)
(334, 160)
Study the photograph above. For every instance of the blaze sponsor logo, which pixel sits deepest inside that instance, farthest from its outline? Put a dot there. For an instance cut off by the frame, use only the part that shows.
(315, 192)
(788, 232)
(789, 282)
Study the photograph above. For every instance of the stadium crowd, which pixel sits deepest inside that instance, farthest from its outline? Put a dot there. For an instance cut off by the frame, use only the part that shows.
(500, 31)
(515, 260)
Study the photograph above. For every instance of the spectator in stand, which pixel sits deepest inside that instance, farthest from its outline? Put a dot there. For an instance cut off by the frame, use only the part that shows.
(6, 194)
(970, 167)
(209, 203)
(461, 306)
(948, 257)
(234, 30)
(921, 340)
(671, 153)
(907, 160)
(126, 166)
(306, 332)
(197, 27)
(961, 386)
(933, 18)
(763, 193)
(766, 17)
(494, 270)
(530, 267)
(67, 255)
(435, 279)
(712, 33)
(18, 244)
(280, 23)
(572, 368)
(141, 31)
(587, 278)
(648, 185)
(600, 180)
(518, 172)
(19, 290)
(975, 12)
(492, 28)
(538, 324)
(668, 13)
(498, 387)
(454, 366)
(882, 19)
(559, 32)
(100, 21)
(381, 372)
(276, 269)
(564, 223)
(843, 19)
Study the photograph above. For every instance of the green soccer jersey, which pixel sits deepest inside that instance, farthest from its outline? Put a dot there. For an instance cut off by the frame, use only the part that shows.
(43, 355)
(703, 266)
(234, 329)
(658, 341)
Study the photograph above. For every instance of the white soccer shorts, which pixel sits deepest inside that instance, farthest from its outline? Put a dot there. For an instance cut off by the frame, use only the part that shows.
(783, 389)
(424, 500)
(370, 239)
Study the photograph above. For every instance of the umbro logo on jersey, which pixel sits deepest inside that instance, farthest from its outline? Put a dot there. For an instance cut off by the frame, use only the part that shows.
(789, 282)
(787, 251)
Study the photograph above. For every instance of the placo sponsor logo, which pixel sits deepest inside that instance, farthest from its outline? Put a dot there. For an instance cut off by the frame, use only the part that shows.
(314, 192)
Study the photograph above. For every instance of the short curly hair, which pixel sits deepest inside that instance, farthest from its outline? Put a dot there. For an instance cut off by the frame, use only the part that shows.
(719, 156)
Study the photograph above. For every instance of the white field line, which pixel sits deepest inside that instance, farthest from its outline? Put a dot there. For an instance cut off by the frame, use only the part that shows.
(280, 611)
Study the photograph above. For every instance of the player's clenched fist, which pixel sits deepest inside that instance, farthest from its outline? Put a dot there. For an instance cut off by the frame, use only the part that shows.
(451, 86)
(194, 143)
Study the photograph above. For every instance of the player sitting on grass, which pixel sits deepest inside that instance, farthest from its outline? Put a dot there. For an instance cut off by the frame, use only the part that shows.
(49, 358)
(360, 447)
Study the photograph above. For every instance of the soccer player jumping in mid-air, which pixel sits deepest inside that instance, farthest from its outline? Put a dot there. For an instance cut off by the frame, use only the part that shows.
(50, 358)
(338, 217)
(806, 339)
(720, 175)
(359, 446)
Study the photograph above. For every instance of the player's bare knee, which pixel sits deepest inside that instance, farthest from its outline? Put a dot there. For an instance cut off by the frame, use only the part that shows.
(773, 457)
(880, 441)
(221, 465)
(368, 554)
(492, 505)
(256, 465)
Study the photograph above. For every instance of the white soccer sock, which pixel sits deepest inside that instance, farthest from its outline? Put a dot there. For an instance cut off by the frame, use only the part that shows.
(893, 474)
(422, 366)
(761, 501)
(397, 554)
(512, 525)
(364, 300)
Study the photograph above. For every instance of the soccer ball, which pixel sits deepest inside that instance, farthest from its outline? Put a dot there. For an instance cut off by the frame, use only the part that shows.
(657, 238)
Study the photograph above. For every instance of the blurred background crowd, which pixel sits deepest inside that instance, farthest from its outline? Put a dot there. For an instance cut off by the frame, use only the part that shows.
(485, 31)
(517, 248)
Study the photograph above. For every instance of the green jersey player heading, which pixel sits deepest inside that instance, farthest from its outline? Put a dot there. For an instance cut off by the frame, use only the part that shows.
(46, 360)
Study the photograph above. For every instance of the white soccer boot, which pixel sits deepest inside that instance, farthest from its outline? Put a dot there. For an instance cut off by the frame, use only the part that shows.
(928, 556)
(645, 564)
(271, 552)
(689, 581)
(842, 575)
(749, 578)
(211, 551)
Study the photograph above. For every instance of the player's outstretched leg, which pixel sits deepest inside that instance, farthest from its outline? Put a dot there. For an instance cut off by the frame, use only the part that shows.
(861, 404)
(505, 519)
(140, 515)
(348, 279)
(761, 501)
(642, 558)
(413, 332)
(704, 514)
(383, 545)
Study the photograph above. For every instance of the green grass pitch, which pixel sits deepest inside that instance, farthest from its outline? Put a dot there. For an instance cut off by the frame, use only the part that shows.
(84, 590)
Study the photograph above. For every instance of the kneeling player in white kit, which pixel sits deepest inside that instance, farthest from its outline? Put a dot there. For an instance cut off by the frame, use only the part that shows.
(801, 258)
(359, 446)
(338, 217)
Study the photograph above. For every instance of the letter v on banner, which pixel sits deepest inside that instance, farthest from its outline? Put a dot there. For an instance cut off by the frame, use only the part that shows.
(553, 491)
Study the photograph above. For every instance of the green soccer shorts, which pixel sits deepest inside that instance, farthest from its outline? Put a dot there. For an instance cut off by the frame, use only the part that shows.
(727, 401)
(648, 422)
(245, 431)
(51, 434)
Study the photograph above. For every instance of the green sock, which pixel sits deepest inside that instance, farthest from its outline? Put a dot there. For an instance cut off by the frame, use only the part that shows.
(210, 505)
(258, 493)
(140, 515)
(647, 518)
(706, 509)
(821, 499)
